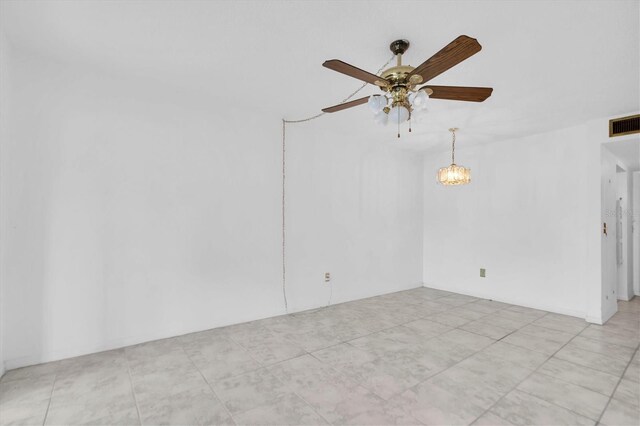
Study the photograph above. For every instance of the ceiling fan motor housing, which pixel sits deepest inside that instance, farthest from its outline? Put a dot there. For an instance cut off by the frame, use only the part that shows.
(398, 47)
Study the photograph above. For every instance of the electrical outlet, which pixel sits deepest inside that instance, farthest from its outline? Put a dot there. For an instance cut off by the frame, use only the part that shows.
(327, 277)
(483, 272)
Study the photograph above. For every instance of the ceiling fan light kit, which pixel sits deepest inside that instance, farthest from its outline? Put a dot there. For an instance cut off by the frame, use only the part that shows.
(402, 98)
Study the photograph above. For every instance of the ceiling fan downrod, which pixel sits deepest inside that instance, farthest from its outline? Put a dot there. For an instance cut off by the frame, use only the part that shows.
(398, 48)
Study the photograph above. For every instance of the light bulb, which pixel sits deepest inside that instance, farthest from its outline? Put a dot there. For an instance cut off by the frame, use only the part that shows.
(398, 114)
(377, 103)
(381, 118)
(419, 99)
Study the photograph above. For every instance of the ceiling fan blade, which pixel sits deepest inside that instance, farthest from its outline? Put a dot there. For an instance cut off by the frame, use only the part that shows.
(456, 93)
(346, 105)
(451, 55)
(351, 71)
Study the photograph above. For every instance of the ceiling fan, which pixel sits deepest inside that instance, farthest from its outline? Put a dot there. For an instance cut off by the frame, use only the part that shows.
(401, 95)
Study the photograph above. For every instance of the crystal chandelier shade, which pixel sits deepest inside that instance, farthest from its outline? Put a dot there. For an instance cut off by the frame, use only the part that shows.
(454, 174)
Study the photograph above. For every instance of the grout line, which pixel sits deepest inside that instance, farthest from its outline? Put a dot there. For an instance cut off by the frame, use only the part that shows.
(44, 420)
(531, 374)
(617, 385)
(207, 382)
(366, 314)
(262, 367)
(133, 392)
(296, 393)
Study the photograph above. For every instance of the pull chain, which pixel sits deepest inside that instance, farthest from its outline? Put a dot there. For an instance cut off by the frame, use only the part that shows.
(283, 206)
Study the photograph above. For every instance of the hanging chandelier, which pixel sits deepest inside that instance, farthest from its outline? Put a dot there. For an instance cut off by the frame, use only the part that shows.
(454, 174)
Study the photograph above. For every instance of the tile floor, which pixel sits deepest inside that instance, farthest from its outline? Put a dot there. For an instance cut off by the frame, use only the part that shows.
(421, 356)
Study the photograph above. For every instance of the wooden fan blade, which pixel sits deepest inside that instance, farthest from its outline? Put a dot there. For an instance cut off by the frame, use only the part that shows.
(346, 105)
(455, 93)
(451, 55)
(351, 71)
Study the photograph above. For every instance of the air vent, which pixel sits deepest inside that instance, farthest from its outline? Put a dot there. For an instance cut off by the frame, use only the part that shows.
(624, 125)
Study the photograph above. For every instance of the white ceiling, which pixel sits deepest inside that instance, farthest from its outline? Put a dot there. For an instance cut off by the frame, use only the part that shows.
(551, 64)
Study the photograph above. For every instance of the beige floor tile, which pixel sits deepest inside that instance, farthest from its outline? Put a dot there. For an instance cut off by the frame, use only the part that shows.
(249, 390)
(572, 397)
(519, 356)
(26, 390)
(429, 327)
(564, 323)
(166, 382)
(448, 319)
(588, 378)
(609, 349)
(604, 363)
(432, 405)
(628, 392)
(195, 407)
(469, 340)
(547, 333)
(612, 334)
(534, 343)
(490, 419)
(468, 385)
(386, 413)
(288, 409)
(521, 408)
(619, 413)
(484, 329)
(94, 413)
(421, 356)
(47, 370)
(23, 413)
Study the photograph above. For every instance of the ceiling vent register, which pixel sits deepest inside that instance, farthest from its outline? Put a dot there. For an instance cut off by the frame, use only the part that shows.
(624, 125)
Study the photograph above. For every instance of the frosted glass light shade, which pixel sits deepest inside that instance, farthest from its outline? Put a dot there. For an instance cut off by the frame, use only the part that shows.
(381, 118)
(454, 175)
(398, 114)
(377, 103)
(419, 99)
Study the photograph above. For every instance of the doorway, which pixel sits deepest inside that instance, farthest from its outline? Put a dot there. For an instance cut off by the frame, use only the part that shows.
(620, 165)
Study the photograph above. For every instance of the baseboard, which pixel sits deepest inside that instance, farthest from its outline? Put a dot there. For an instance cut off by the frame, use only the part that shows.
(50, 356)
(594, 320)
(526, 304)
(14, 363)
(606, 316)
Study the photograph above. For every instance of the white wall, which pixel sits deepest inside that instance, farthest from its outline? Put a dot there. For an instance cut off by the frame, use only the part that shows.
(137, 211)
(530, 217)
(353, 210)
(5, 99)
(636, 233)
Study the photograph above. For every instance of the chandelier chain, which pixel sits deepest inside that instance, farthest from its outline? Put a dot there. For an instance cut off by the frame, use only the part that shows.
(284, 176)
(453, 148)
